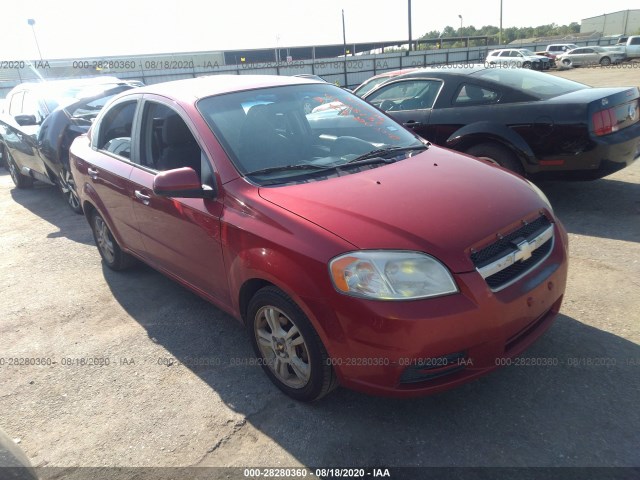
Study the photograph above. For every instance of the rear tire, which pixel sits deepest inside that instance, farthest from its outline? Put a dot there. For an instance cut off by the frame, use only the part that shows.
(498, 154)
(288, 347)
(19, 180)
(108, 247)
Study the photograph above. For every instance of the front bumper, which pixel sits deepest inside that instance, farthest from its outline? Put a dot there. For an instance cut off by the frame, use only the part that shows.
(414, 348)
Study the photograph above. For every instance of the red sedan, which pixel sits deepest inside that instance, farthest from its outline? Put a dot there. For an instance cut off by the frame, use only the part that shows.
(355, 253)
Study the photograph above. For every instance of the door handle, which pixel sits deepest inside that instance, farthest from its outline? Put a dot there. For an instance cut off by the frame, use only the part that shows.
(92, 173)
(412, 124)
(142, 197)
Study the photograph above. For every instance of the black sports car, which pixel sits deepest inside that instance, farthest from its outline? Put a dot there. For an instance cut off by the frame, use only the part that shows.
(533, 123)
(39, 122)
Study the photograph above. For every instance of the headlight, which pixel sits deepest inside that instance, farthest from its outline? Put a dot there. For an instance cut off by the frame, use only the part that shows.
(391, 275)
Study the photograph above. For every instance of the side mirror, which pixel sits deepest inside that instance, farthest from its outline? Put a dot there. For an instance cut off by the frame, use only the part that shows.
(26, 120)
(181, 182)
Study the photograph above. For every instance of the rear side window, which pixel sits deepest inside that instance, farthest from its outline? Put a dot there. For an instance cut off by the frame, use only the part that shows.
(469, 94)
(115, 129)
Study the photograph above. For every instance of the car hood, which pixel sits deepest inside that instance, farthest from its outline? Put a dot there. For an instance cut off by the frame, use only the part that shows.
(439, 202)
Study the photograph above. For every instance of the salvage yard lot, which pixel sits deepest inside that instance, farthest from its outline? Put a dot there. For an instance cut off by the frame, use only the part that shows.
(133, 370)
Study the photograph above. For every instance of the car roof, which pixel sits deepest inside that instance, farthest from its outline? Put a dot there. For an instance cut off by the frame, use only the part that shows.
(71, 82)
(192, 89)
(449, 69)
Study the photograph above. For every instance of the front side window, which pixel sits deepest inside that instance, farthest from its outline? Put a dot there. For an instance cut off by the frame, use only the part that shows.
(271, 140)
(406, 95)
(167, 142)
(114, 135)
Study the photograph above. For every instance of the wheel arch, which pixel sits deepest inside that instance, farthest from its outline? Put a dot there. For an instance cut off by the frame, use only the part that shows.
(484, 132)
(249, 273)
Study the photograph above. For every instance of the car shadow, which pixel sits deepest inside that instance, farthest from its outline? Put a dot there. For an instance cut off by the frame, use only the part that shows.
(570, 401)
(48, 203)
(604, 208)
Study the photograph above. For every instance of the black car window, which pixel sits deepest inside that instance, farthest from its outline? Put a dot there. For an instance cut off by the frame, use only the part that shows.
(537, 84)
(167, 141)
(115, 129)
(406, 95)
(469, 94)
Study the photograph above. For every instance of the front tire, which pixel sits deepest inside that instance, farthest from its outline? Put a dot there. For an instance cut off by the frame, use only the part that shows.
(108, 247)
(496, 153)
(605, 61)
(290, 350)
(67, 186)
(19, 180)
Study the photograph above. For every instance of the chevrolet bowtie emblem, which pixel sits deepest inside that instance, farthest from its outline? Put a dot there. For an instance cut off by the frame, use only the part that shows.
(526, 249)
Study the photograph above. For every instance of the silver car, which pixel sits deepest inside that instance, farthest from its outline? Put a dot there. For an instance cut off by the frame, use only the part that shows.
(589, 56)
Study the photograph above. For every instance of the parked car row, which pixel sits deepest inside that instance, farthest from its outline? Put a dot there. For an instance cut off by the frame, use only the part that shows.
(518, 57)
(38, 122)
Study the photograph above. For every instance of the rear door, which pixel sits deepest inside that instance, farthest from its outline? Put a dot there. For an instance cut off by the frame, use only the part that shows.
(181, 235)
(105, 169)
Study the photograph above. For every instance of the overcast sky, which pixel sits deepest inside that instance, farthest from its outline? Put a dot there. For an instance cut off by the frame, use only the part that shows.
(92, 28)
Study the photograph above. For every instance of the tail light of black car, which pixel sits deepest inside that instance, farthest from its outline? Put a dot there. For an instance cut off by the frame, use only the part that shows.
(615, 118)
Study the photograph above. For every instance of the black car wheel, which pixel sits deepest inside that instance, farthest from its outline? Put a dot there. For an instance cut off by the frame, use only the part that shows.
(289, 349)
(496, 153)
(108, 247)
(605, 61)
(19, 180)
(68, 188)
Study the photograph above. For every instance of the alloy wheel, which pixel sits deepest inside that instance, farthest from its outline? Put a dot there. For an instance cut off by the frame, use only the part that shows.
(283, 347)
(68, 187)
(104, 239)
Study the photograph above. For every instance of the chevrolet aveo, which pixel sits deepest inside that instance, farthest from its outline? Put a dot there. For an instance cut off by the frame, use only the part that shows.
(355, 253)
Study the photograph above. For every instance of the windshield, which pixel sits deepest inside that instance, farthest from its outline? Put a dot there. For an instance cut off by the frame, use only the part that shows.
(536, 84)
(270, 139)
(528, 53)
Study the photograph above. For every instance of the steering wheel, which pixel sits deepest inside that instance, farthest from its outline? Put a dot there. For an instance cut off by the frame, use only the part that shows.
(387, 105)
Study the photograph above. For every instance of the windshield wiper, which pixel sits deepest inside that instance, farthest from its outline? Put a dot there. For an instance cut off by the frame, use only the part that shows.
(382, 152)
(286, 168)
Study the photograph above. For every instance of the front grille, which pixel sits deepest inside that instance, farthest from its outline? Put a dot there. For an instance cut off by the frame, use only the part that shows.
(493, 262)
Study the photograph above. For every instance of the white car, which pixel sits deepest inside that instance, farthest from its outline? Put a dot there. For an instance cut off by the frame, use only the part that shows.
(589, 56)
(518, 58)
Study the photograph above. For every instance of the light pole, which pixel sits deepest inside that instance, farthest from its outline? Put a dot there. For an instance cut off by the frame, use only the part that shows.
(460, 17)
(32, 22)
(410, 25)
(500, 33)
